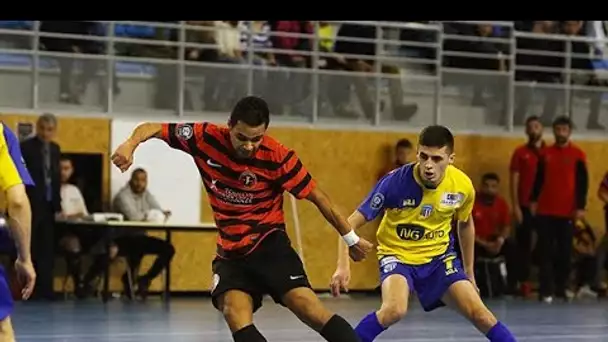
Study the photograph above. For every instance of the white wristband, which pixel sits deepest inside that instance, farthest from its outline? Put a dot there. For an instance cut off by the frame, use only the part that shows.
(351, 238)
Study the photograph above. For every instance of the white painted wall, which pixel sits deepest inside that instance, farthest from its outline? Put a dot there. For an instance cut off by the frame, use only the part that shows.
(172, 175)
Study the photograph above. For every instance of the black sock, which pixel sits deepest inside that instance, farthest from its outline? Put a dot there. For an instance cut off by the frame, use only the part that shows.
(337, 329)
(248, 334)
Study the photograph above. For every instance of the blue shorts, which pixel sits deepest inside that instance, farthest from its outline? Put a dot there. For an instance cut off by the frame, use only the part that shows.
(429, 281)
(6, 296)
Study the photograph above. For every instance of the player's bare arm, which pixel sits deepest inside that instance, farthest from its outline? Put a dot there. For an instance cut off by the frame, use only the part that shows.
(466, 237)
(341, 277)
(20, 224)
(123, 156)
(357, 247)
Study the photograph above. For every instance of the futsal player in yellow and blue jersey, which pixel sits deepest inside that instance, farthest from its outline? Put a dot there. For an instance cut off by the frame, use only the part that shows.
(415, 248)
(13, 179)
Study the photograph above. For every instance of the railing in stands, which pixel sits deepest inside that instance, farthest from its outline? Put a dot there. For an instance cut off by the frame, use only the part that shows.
(432, 65)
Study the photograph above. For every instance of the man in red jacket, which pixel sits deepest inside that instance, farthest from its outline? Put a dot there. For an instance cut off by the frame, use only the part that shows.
(523, 171)
(559, 196)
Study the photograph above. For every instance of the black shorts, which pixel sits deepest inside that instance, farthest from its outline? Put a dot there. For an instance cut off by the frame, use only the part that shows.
(273, 268)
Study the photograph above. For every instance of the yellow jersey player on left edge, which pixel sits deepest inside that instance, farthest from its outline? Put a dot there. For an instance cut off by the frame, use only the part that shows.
(13, 179)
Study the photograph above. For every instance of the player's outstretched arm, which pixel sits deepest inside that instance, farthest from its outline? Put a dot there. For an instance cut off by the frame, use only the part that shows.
(123, 156)
(341, 277)
(358, 247)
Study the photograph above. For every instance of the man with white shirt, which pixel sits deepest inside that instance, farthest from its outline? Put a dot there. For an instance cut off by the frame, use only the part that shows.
(73, 207)
(136, 203)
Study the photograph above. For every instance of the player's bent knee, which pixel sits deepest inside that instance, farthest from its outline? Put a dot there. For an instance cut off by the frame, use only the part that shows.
(305, 304)
(395, 291)
(391, 313)
(481, 317)
(237, 308)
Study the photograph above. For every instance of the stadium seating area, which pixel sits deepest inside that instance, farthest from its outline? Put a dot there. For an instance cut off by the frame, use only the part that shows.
(478, 54)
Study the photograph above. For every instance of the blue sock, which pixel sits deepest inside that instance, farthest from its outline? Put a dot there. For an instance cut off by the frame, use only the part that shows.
(500, 333)
(369, 328)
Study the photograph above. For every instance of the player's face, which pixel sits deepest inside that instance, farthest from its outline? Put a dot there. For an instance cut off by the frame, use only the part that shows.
(139, 182)
(561, 133)
(66, 170)
(246, 139)
(534, 130)
(489, 187)
(433, 162)
(46, 131)
(403, 155)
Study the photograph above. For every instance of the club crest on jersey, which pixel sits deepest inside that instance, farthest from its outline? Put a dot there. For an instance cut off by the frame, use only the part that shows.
(184, 131)
(377, 201)
(248, 178)
(426, 211)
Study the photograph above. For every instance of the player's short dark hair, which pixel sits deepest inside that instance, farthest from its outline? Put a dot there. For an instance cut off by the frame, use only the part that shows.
(403, 143)
(532, 118)
(561, 121)
(252, 111)
(490, 176)
(436, 136)
(64, 157)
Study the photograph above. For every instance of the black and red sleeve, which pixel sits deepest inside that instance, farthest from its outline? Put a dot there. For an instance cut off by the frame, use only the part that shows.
(294, 177)
(183, 136)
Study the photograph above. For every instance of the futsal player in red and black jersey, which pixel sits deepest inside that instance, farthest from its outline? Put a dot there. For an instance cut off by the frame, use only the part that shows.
(245, 173)
(559, 197)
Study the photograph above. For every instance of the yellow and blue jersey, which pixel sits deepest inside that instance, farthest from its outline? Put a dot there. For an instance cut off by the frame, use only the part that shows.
(417, 220)
(12, 166)
(12, 172)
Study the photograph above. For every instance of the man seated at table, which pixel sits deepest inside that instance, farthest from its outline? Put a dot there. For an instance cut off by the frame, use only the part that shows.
(136, 203)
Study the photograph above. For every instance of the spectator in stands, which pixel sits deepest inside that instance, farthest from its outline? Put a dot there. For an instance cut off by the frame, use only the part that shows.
(329, 60)
(493, 227)
(580, 67)
(256, 35)
(522, 172)
(165, 80)
(529, 69)
(494, 61)
(415, 33)
(136, 203)
(400, 155)
(90, 67)
(204, 33)
(201, 32)
(73, 207)
(558, 197)
(290, 88)
(365, 63)
(41, 155)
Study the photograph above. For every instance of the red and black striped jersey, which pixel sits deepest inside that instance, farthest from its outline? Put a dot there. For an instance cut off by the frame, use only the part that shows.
(246, 195)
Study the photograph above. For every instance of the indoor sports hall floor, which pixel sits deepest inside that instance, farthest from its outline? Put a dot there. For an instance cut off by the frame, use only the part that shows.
(195, 320)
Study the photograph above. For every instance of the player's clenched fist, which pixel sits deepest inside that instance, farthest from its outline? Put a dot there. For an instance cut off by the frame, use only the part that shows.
(359, 250)
(123, 156)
